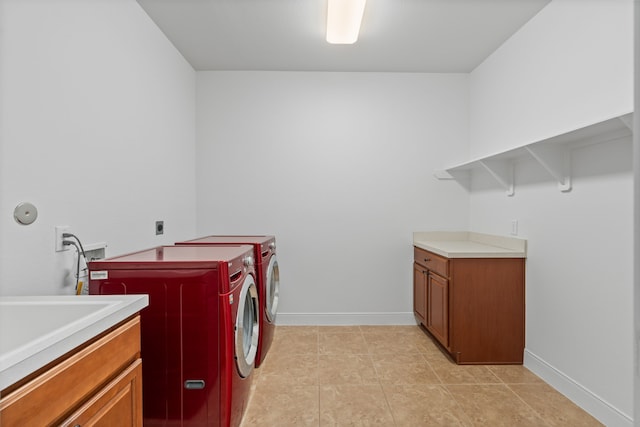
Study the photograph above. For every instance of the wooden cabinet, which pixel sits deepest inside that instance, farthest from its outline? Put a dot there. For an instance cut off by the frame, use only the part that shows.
(474, 307)
(438, 307)
(117, 404)
(419, 293)
(98, 384)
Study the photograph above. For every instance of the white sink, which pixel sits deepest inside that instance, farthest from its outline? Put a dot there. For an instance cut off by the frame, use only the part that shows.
(26, 322)
(37, 330)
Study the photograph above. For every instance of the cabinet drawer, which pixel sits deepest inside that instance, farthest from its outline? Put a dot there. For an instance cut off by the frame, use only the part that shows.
(69, 383)
(117, 404)
(436, 263)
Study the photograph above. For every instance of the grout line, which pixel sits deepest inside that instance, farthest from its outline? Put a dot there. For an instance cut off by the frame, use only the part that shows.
(542, 418)
(386, 399)
(458, 405)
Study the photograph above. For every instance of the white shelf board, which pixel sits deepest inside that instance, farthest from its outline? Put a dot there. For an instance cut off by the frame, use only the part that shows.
(553, 154)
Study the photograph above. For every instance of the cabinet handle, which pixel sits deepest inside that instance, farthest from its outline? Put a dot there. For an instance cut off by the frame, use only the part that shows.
(427, 259)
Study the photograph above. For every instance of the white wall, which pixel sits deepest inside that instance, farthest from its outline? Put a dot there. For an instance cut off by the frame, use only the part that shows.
(98, 131)
(570, 66)
(636, 215)
(338, 166)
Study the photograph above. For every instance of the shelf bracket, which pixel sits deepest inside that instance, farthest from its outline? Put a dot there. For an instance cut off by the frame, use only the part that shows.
(556, 161)
(502, 172)
(443, 174)
(627, 120)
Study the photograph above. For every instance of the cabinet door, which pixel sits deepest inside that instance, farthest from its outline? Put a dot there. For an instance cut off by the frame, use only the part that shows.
(438, 308)
(65, 386)
(119, 403)
(420, 293)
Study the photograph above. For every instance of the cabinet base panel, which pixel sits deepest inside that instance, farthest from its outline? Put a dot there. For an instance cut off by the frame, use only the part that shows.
(455, 357)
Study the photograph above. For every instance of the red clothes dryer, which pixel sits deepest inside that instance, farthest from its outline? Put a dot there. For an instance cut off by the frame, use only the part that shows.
(268, 281)
(199, 332)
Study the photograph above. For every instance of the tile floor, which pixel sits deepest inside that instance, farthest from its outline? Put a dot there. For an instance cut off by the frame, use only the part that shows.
(393, 376)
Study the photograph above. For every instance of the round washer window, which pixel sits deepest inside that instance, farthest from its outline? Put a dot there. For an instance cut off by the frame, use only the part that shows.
(273, 289)
(247, 327)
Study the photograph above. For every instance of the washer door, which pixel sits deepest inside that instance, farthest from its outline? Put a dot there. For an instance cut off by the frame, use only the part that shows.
(273, 290)
(247, 327)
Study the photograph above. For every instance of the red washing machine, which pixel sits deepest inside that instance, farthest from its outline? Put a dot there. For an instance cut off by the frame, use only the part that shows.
(268, 281)
(200, 330)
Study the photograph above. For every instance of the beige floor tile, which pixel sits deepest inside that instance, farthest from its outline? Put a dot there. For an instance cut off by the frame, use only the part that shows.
(340, 369)
(434, 353)
(514, 374)
(255, 375)
(494, 406)
(284, 330)
(289, 369)
(403, 369)
(394, 376)
(286, 406)
(294, 343)
(450, 373)
(430, 347)
(354, 405)
(424, 405)
(338, 343)
(392, 329)
(339, 330)
(552, 406)
(392, 343)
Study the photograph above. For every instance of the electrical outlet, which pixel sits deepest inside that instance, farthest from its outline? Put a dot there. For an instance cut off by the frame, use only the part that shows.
(159, 227)
(60, 229)
(514, 227)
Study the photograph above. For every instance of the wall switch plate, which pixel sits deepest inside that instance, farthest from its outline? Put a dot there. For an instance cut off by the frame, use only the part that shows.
(159, 227)
(514, 227)
(60, 230)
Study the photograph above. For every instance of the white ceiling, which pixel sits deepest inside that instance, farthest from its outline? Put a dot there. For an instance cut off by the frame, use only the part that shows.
(289, 35)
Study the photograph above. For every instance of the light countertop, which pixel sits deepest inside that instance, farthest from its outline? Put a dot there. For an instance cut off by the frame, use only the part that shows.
(464, 244)
(36, 330)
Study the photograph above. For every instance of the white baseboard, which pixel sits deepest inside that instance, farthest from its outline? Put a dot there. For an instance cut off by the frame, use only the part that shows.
(346, 319)
(600, 409)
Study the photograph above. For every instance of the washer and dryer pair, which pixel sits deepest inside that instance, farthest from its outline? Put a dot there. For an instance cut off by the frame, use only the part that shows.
(202, 329)
(264, 250)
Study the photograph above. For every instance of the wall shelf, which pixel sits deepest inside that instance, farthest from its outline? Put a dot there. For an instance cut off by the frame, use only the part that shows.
(553, 154)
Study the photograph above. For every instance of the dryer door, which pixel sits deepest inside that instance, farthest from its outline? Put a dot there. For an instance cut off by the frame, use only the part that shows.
(273, 289)
(247, 327)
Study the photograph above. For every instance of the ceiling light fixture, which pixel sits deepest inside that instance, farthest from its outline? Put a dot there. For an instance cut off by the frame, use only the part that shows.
(343, 20)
